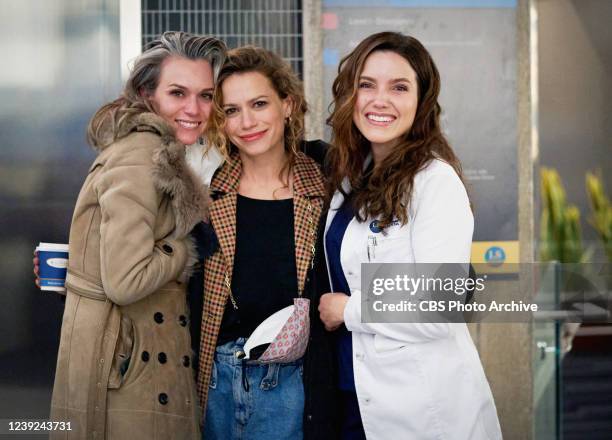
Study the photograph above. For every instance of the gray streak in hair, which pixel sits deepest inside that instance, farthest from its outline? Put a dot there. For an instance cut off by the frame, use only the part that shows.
(144, 77)
(146, 70)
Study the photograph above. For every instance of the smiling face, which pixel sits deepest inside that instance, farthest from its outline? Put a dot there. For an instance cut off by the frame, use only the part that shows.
(387, 101)
(183, 96)
(254, 114)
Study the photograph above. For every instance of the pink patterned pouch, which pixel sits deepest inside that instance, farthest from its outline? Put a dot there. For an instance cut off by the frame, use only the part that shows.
(282, 337)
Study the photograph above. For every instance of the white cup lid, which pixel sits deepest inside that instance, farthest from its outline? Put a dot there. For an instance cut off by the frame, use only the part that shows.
(57, 247)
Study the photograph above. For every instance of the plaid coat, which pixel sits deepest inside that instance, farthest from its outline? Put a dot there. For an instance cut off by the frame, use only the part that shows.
(308, 193)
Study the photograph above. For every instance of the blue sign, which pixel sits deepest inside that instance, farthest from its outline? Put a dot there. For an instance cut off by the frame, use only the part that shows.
(331, 57)
(495, 256)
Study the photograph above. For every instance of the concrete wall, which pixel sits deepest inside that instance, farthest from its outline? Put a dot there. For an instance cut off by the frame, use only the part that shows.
(313, 68)
(575, 98)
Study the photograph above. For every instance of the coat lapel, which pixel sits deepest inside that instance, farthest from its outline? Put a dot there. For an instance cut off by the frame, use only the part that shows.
(223, 217)
(173, 175)
(308, 193)
(224, 187)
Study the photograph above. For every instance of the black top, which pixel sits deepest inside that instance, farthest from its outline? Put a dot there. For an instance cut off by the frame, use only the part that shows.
(264, 278)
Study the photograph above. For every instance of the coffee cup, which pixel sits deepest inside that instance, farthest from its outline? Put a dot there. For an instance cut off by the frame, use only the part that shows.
(52, 266)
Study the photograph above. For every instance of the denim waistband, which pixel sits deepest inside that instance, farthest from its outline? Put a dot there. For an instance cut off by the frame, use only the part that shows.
(228, 354)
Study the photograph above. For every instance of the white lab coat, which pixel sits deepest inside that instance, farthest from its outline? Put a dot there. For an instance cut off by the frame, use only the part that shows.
(417, 381)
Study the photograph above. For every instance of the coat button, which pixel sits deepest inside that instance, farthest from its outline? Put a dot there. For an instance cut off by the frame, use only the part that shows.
(186, 361)
(163, 398)
(183, 320)
(167, 249)
(145, 356)
(158, 317)
(162, 358)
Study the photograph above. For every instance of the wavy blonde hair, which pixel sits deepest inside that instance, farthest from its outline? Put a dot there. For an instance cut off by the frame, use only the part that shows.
(285, 83)
(386, 190)
(144, 78)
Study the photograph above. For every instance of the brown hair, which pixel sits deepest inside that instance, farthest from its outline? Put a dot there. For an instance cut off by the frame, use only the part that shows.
(285, 83)
(144, 77)
(386, 191)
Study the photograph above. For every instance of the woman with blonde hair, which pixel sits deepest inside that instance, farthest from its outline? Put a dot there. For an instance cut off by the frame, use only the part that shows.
(124, 362)
(398, 197)
(266, 204)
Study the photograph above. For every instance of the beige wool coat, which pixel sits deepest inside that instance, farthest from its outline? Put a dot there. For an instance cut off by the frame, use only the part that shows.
(124, 367)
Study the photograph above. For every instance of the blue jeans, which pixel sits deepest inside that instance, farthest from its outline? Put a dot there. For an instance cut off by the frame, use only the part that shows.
(253, 402)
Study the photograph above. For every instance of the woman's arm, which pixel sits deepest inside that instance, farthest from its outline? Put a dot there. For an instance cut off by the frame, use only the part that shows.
(133, 264)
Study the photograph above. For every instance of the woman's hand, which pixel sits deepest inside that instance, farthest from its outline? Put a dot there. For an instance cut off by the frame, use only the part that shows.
(35, 262)
(331, 309)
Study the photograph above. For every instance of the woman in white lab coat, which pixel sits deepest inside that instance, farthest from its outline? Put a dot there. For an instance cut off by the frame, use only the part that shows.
(398, 197)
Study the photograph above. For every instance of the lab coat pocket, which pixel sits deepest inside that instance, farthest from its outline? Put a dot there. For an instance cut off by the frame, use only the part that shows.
(386, 346)
(393, 248)
(123, 359)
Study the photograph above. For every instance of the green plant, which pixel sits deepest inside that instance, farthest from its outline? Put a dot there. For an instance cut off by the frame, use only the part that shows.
(601, 210)
(560, 234)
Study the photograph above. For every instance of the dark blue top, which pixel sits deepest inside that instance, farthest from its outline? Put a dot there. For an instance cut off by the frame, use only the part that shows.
(333, 243)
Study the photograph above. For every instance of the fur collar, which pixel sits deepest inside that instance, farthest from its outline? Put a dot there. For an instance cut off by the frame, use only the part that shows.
(171, 172)
(172, 175)
(112, 131)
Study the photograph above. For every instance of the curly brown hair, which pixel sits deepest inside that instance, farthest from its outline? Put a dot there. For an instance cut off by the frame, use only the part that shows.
(285, 83)
(386, 190)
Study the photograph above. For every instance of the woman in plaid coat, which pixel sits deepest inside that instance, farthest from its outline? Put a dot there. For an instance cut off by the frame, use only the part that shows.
(267, 202)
